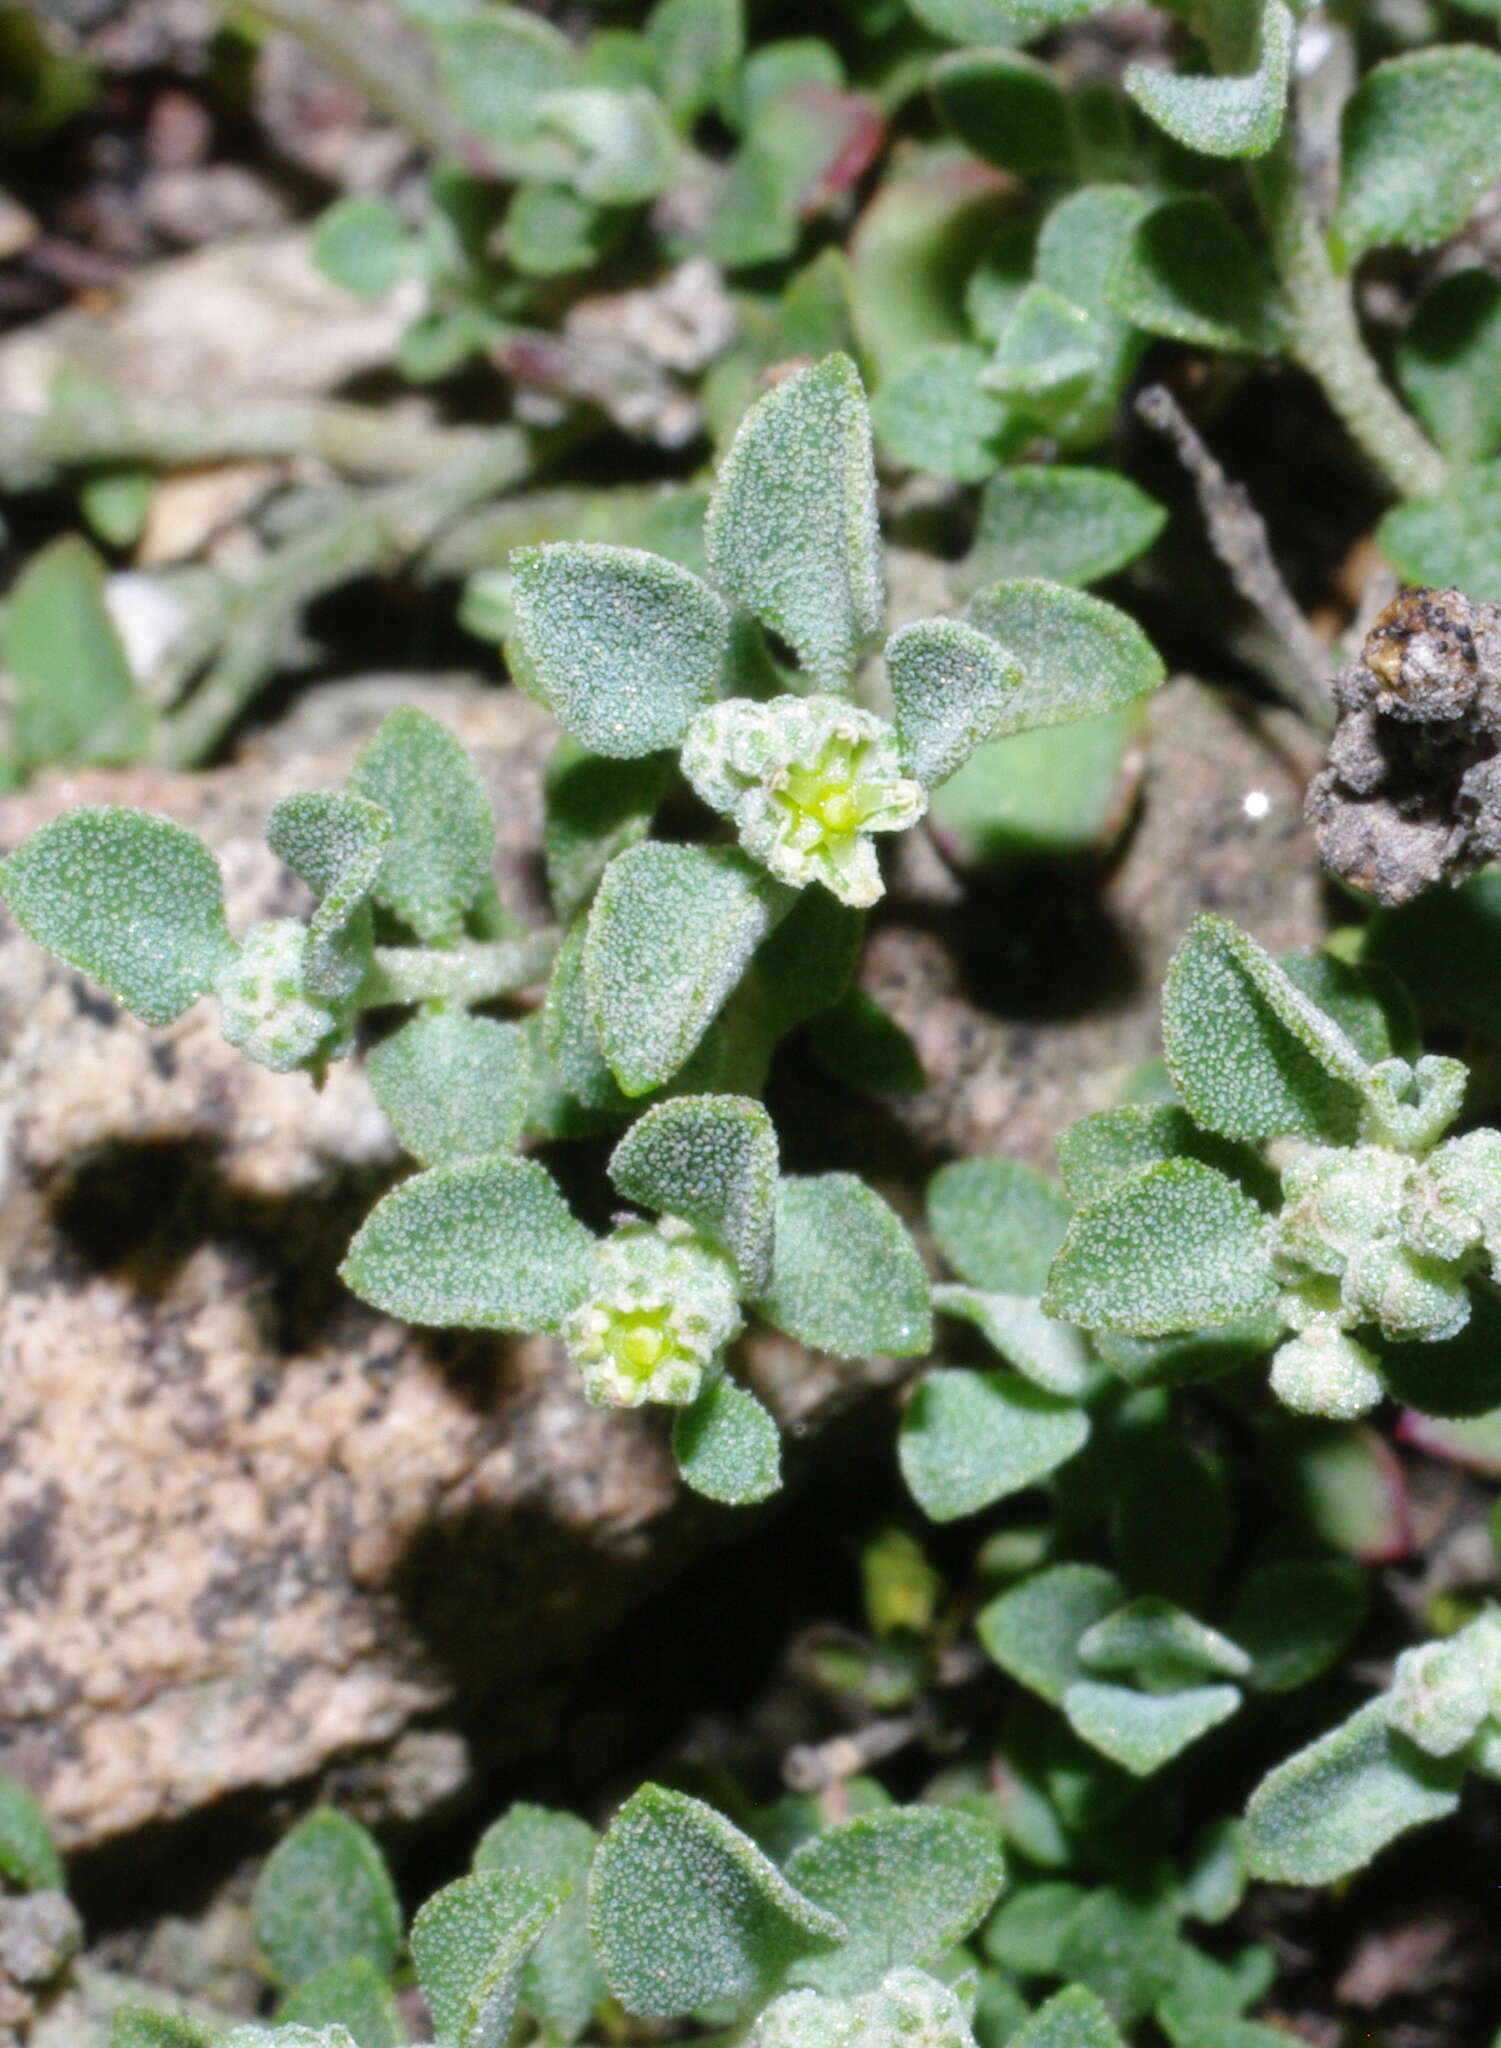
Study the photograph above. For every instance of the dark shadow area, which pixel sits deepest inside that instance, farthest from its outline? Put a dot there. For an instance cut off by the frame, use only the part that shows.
(138, 1210)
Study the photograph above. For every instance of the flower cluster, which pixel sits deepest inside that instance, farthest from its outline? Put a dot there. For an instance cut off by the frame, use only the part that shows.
(1371, 1235)
(661, 1305)
(806, 780)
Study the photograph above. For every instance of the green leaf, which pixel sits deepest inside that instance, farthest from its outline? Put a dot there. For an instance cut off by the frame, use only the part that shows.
(791, 531)
(489, 1245)
(495, 67)
(595, 809)
(1451, 540)
(998, 1222)
(438, 864)
(324, 1897)
(351, 1994)
(698, 45)
(845, 1276)
(1420, 141)
(1189, 273)
(727, 1446)
(1329, 1809)
(1236, 116)
(1075, 2018)
(803, 143)
(1052, 1355)
(128, 898)
(671, 932)
(971, 1438)
(1024, 1932)
(552, 232)
(1368, 1002)
(622, 146)
(1175, 1247)
(117, 503)
(936, 415)
(28, 1856)
(1009, 109)
(1143, 1731)
(76, 699)
(1066, 523)
(453, 1086)
(1079, 656)
(712, 1160)
(686, 1912)
(363, 245)
(560, 1983)
(569, 1038)
(1033, 1630)
(623, 647)
(917, 245)
(1297, 1617)
(908, 1883)
(1123, 1944)
(1051, 794)
(337, 844)
(808, 962)
(471, 1943)
(860, 1043)
(952, 688)
(1113, 1144)
(778, 67)
(138, 2026)
(1250, 1055)
(1160, 1643)
(1449, 360)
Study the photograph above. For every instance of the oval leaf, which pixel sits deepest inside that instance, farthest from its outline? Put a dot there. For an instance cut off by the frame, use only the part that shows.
(325, 1897)
(686, 1912)
(727, 1447)
(489, 1245)
(454, 1086)
(438, 863)
(1143, 1731)
(998, 1222)
(1176, 1247)
(471, 1942)
(845, 1276)
(670, 934)
(907, 1882)
(1079, 656)
(791, 532)
(971, 1438)
(1234, 116)
(623, 647)
(128, 898)
(1327, 1810)
(1420, 141)
(712, 1160)
(951, 687)
(1189, 273)
(1251, 1055)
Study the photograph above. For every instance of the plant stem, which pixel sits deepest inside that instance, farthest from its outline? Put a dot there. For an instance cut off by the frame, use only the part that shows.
(476, 971)
(383, 65)
(107, 427)
(1326, 336)
(250, 627)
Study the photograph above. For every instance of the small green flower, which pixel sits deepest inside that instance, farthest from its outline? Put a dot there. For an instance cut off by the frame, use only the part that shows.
(660, 1308)
(1324, 1372)
(267, 1012)
(806, 780)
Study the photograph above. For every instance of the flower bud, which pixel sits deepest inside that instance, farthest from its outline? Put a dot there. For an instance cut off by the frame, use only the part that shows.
(1324, 1372)
(660, 1308)
(266, 1011)
(806, 780)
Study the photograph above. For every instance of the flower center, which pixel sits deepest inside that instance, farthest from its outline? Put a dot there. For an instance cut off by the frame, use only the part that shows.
(641, 1341)
(827, 791)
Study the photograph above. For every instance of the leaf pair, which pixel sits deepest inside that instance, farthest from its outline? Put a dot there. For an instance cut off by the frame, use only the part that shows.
(686, 1913)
